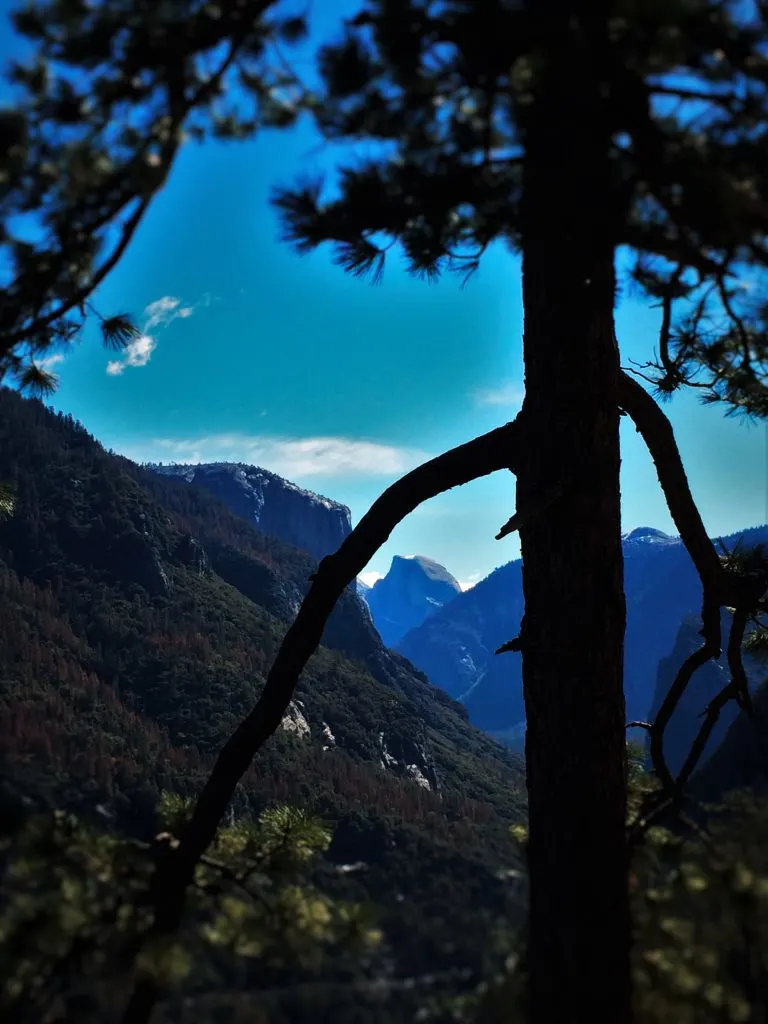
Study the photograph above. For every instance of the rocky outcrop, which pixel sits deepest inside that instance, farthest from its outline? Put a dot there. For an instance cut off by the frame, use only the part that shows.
(135, 557)
(278, 507)
(406, 757)
(413, 589)
(191, 554)
(295, 722)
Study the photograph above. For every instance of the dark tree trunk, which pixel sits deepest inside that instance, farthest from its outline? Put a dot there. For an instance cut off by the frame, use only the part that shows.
(573, 632)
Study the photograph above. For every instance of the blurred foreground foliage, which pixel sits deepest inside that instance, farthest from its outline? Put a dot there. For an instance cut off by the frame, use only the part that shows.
(75, 902)
(74, 905)
(700, 907)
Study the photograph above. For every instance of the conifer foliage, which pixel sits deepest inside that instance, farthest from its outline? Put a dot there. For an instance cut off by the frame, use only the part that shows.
(569, 132)
(103, 105)
(446, 91)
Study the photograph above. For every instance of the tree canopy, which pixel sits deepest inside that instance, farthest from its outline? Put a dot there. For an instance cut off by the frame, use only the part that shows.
(103, 104)
(566, 131)
(445, 90)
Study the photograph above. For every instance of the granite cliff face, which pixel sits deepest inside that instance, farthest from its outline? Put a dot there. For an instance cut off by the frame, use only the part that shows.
(276, 506)
(363, 590)
(455, 646)
(318, 526)
(412, 590)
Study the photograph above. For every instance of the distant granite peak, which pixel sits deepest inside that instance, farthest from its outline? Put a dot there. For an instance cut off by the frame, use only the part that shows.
(413, 589)
(455, 646)
(647, 535)
(307, 520)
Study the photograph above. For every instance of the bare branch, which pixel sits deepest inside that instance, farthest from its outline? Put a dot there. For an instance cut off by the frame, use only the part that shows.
(711, 715)
(720, 589)
(524, 515)
(665, 332)
(478, 458)
(656, 431)
(709, 650)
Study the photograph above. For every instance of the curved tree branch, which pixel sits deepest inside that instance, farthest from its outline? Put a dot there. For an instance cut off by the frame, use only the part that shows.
(656, 430)
(486, 454)
(720, 589)
(736, 689)
(709, 650)
(478, 458)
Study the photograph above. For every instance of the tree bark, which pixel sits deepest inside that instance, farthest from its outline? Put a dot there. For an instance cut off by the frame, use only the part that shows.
(572, 635)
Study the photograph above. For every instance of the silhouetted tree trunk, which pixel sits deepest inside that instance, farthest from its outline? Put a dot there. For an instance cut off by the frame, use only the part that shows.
(573, 630)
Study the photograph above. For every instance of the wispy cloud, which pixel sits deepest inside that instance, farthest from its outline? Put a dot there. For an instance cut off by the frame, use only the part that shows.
(164, 311)
(136, 353)
(294, 458)
(470, 581)
(156, 316)
(506, 394)
(49, 362)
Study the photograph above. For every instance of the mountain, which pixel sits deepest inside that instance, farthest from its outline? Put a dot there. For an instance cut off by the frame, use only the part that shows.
(455, 646)
(363, 590)
(276, 506)
(138, 618)
(413, 589)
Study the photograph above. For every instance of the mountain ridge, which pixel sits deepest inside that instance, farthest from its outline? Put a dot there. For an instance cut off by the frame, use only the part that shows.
(455, 646)
(309, 521)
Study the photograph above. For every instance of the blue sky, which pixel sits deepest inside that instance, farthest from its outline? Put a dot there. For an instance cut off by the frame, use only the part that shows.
(291, 364)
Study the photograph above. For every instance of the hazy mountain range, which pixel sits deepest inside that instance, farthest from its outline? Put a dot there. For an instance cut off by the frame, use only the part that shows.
(420, 611)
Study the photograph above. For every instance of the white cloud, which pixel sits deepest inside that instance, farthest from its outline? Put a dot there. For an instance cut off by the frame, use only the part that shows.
(506, 394)
(136, 353)
(139, 352)
(369, 578)
(161, 312)
(49, 362)
(157, 315)
(470, 581)
(293, 458)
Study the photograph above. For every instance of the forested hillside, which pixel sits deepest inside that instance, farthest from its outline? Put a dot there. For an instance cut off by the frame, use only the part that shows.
(138, 617)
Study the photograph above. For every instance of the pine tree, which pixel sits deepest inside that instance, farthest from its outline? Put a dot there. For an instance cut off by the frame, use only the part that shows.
(111, 93)
(568, 130)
